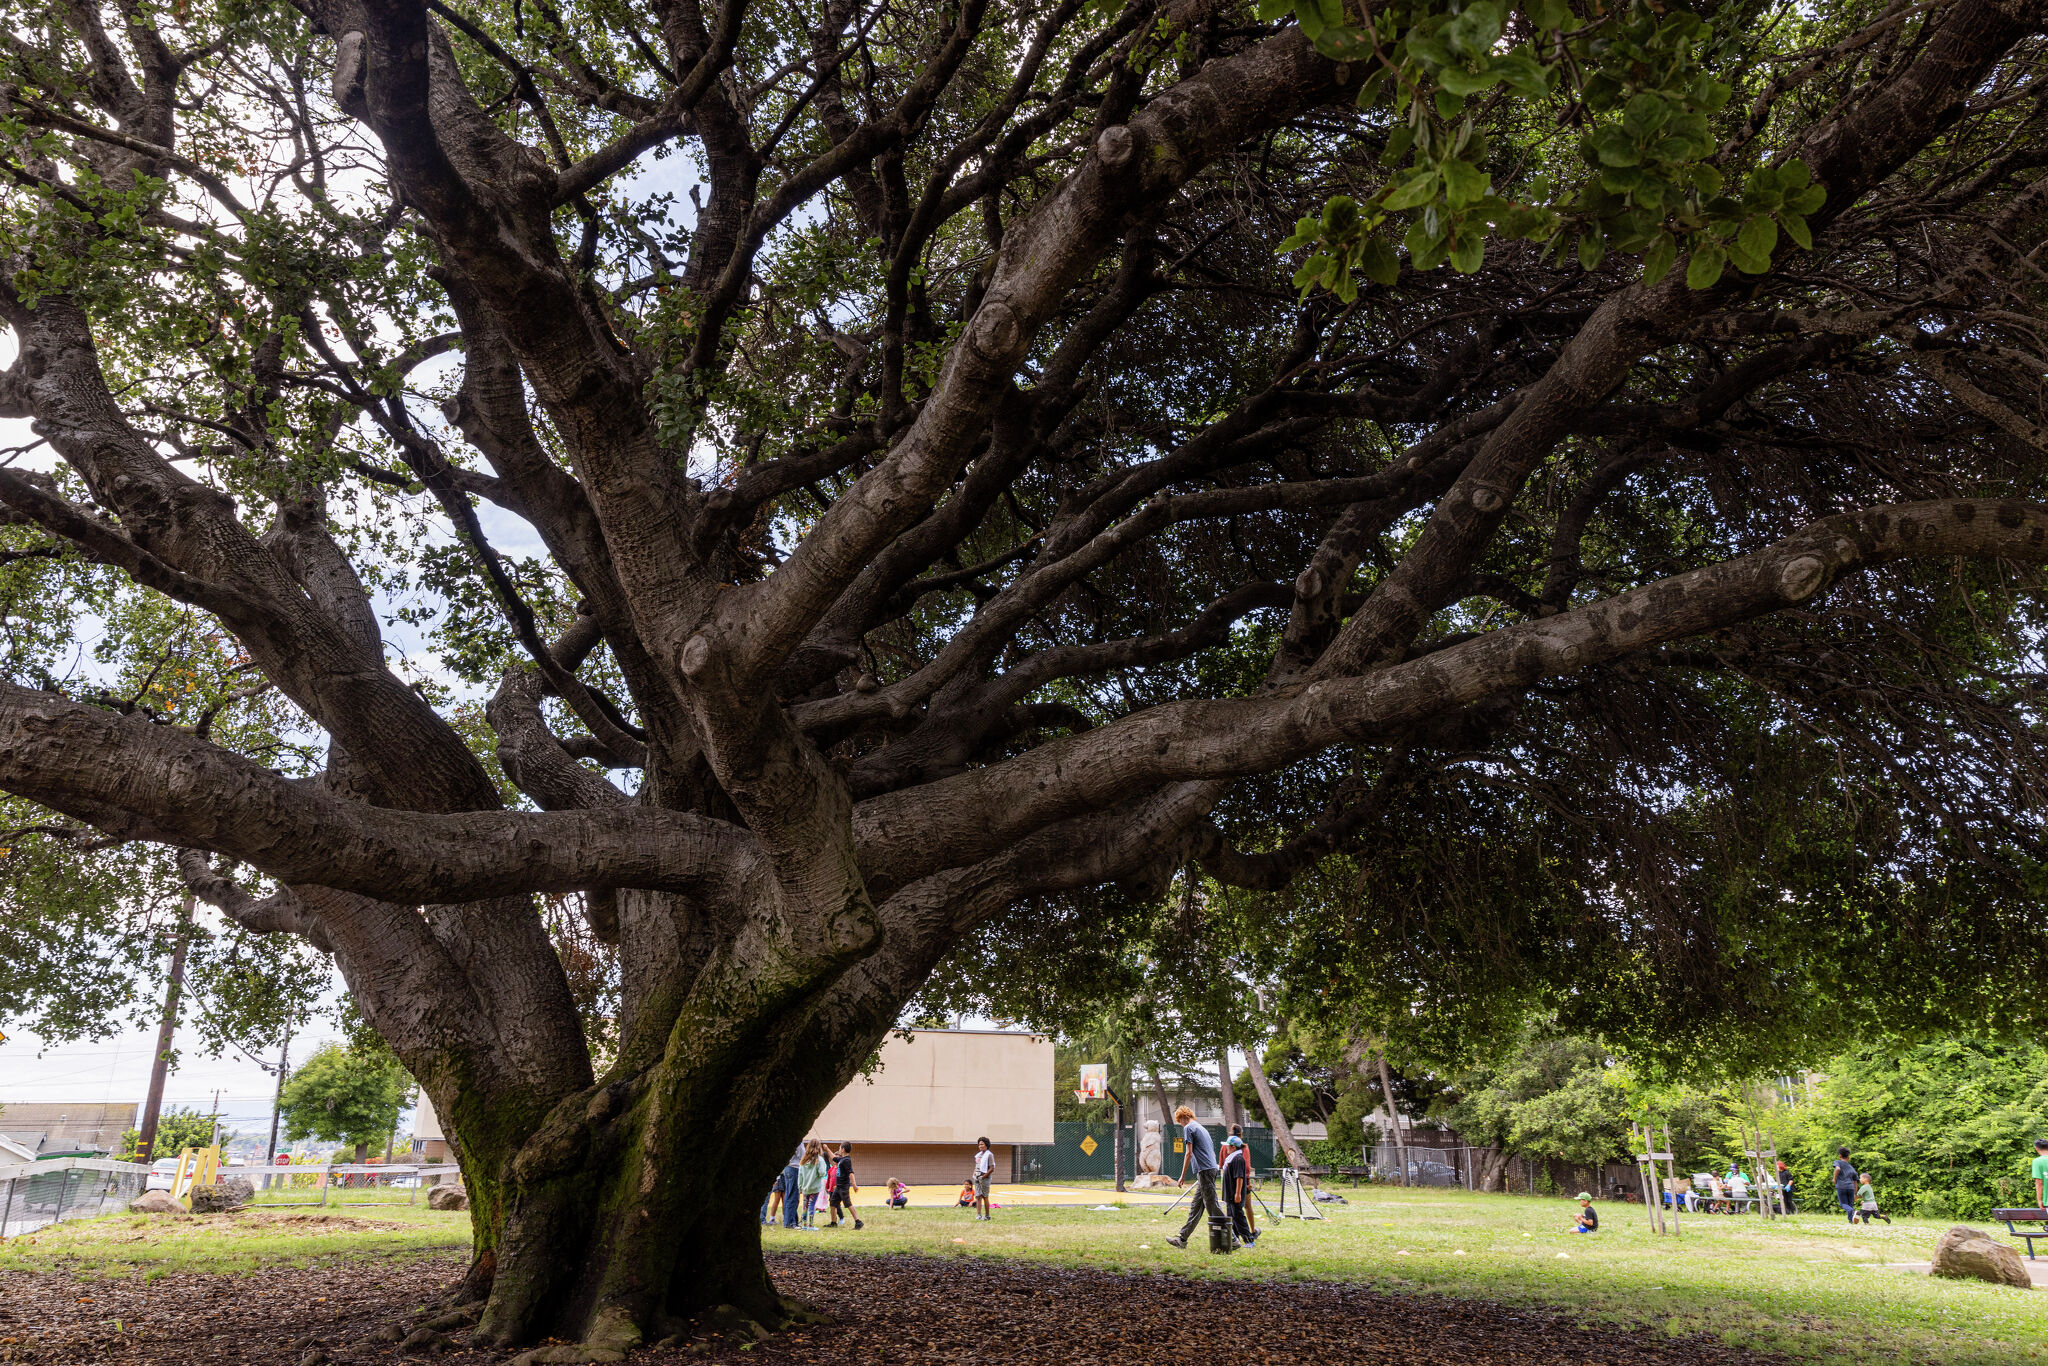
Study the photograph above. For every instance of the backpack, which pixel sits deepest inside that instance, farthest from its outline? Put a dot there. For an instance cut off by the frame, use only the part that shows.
(831, 1176)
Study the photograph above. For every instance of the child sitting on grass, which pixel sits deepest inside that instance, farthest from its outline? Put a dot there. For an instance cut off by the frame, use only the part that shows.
(1589, 1218)
(966, 1194)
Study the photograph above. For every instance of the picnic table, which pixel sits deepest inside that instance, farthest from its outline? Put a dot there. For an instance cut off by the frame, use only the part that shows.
(2009, 1217)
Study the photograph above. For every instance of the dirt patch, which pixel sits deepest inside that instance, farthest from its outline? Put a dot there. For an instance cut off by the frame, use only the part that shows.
(895, 1311)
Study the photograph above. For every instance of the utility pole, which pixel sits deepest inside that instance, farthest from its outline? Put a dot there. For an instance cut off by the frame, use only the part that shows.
(284, 1056)
(145, 1143)
(213, 1138)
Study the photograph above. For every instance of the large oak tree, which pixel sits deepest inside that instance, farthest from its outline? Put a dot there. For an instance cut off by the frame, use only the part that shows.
(961, 504)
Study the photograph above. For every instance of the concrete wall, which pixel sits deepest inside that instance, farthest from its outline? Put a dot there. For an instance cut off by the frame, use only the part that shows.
(922, 1164)
(950, 1087)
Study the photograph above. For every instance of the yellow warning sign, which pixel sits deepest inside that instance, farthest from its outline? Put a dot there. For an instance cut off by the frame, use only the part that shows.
(1088, 1144)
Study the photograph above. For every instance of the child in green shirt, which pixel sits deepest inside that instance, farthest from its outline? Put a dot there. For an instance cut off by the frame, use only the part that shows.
(1866, 1201)
(2040, 1173)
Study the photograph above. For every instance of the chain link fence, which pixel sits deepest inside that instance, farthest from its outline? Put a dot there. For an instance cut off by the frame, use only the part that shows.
(37, 1194)
(1080, 1151)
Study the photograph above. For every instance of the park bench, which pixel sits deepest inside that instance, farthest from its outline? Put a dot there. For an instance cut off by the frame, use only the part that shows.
(2009, 1217)
(1356, 1174)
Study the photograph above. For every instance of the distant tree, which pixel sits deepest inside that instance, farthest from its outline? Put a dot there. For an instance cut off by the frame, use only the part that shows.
(177, 1129)
(1552, 1096)
(345, 1095)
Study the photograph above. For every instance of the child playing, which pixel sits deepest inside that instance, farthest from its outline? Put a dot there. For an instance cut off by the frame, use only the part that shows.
(899, 1194)
(967, 1193)
(1589, 1218)
(1866, 1200)
(810, 1179)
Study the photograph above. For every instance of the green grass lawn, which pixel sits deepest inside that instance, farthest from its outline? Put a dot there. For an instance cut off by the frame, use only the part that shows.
(151, 1245)
(1808, 1286)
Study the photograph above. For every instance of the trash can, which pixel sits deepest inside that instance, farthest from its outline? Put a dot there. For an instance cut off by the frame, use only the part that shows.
(1222, 1237)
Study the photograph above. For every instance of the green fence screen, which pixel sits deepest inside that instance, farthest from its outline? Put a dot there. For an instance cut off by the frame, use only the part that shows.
(1081, 1152)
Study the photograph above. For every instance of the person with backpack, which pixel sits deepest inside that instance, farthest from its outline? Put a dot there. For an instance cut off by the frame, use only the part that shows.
(1237, 1188)
(1845, 1183)
(810, 1181)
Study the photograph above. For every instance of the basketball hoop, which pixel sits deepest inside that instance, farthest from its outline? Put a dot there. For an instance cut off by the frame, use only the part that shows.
(1094, 1081)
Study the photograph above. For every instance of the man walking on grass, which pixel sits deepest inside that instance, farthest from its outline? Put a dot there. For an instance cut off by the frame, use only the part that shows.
(1198, 1150)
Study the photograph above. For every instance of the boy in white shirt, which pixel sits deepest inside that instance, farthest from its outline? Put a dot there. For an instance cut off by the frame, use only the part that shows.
(984, 1172)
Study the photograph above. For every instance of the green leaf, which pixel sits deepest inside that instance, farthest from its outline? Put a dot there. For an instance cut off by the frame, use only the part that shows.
(1477, 28)
(1448, 105)
(1550, 14)
(1706, 179)
(1346, 288)
(1615, 147)
(1807, 200)
(1753, 245)
(1425, 252)
(1341, 43)
(1398, 143)
(1469, 253)
(1340, 215)
(1464, 183)
(1459, 81)
(1419, 188)
(1644, 114)
(1309, 15)
(1523, 72)
(1270, 10)
(1591, 249)
(1710, 94)
(1794, 175)
(1657, 261)
(1708, 260)
(1377, 262)
(1796, 229)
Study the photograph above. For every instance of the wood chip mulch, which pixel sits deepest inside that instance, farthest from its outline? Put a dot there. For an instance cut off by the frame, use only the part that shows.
(893, 1311)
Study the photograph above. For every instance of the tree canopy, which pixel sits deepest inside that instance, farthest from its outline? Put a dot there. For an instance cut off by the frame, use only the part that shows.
(1513, 505)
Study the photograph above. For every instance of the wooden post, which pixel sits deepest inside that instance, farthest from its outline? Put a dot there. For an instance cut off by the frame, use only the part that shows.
(1653, 1207)
(1671, 1166)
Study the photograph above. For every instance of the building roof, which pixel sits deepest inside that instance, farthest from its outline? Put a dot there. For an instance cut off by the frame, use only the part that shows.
(68, 1126)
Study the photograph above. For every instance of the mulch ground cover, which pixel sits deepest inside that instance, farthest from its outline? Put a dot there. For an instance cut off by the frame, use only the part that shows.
(893, 1311)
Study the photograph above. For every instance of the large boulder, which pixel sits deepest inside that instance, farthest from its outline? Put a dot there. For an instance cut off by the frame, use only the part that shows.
(1967, 1253)
(155, 1202)
(447, 1197)
(222, 1196)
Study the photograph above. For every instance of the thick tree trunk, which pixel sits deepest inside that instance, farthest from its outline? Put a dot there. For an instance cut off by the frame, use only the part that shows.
(1493, 1163)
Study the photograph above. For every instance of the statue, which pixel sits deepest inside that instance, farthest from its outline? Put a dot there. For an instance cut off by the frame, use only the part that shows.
(1151, 1156)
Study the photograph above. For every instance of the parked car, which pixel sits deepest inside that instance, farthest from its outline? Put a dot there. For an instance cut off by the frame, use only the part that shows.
(160, 1173)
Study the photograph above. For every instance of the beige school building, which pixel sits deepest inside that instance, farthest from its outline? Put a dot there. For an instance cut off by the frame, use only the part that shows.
(936, 1091)
(916, 1119)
